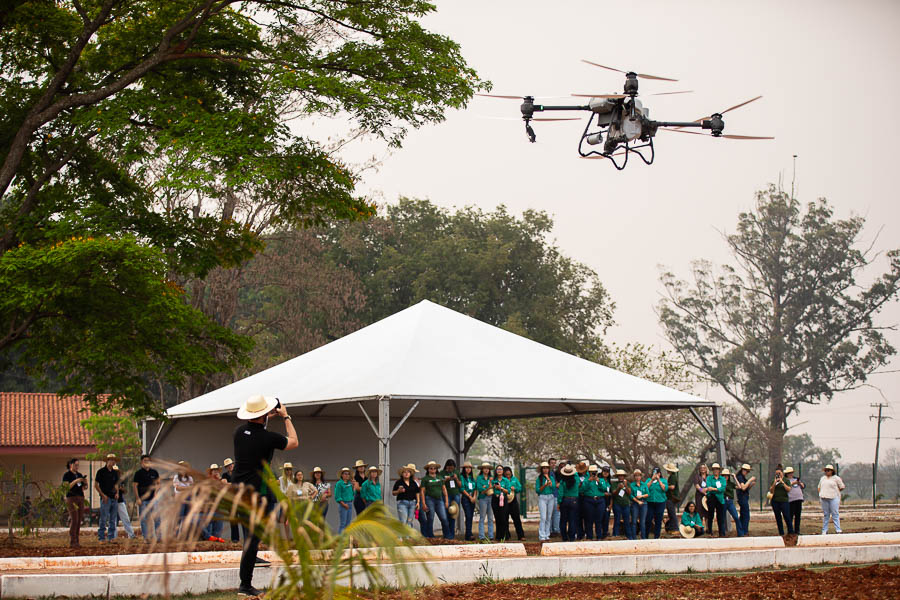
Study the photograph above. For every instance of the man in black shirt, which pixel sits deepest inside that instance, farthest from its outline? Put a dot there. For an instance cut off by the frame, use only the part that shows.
(146, 483)
(228, 475)
(106, 483)
(672, 497)
(254, 447)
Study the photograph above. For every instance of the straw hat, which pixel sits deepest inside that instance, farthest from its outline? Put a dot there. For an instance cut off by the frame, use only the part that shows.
(568, 470)
(715, 466)
(453, 509)
(747, 467)
(544, 464)
(467, 464)
(511, 495)
(342, 470)
(593, 469)
(637, 472)
(112, 456)
(828, 468)
(115, 467)
(726, 471)
(485, 465)
(317, 470)
(431, 463)
(256, 406)
(789, 470)
(685, 531)
(360, 463)
(288, 465)
(409, 467)
(769, 495)
(620, 472)
(184, 463)
(213, 466)
(704, 503)
(227, 462)
(670, 467)
(373, 468)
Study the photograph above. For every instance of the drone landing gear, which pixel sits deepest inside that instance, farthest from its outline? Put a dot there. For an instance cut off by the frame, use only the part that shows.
(623, 148)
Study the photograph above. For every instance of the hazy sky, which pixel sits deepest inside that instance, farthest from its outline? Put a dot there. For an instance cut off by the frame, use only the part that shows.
(828, 71)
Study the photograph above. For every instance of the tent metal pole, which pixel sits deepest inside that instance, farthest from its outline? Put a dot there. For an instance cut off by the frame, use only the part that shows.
(702, 424)
(403, 420)
(720, 434)
(369, 419)
(384, 446)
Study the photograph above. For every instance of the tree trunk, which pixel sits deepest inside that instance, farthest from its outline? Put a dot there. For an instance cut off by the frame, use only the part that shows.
(776, 433)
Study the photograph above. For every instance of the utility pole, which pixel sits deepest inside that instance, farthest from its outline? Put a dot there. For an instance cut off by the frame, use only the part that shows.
(879, 418)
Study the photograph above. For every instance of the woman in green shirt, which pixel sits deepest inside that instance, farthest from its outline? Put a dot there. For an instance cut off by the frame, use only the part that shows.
(656, 501)
(621, 499)
(690, 518)
(434, 499)
(515, 486)
(468, 496)
(371, 487)
(780, 504)
(546, 493)
(715, 499)
(453, 483)
(568, 503)
(639, 494)
(592, 501)
(343, 495)
(485, 510)
(500, 504)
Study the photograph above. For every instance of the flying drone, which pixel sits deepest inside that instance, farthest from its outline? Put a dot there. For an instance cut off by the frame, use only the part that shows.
(620, 124)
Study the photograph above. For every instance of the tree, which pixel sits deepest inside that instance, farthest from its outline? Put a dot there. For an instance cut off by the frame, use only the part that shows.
(113, 434)
(164, 123)
(491, 266)
(787, 324)
(800, 449)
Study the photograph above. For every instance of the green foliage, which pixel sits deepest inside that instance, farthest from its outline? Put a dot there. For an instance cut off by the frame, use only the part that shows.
(113, 434)
(800, 449)
(786, 324)
(492, 266)
(167, 122)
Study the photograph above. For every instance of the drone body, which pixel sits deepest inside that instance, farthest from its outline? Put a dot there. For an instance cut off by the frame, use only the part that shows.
(619, 124)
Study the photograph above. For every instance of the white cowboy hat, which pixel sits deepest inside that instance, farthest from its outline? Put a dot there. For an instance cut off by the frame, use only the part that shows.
(373, 468)
(227, 462)
(453, 509)
(620, 472)
(593, 469)
(567, 470)
(828, 468)
(544, 464)
(686, 532)
(112, 457)
(317, 470)
(715, 466)
(670, 467)
(360, 463)
(746, 467)
(431, 463)
(288, 465)
(213, 466)
(789, 470)
(726, 471)
(704, 503)
(256, 406)
(410, 467)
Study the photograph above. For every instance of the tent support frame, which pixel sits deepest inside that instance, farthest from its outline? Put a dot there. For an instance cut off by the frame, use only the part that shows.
(716, 434)
(384, 433)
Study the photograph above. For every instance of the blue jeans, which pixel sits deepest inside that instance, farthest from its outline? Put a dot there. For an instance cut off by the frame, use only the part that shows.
(831, 510)
(486, 513)
(732, 510)
(639, 514)
(593, 511)
(657, 510)
(546, 506)
(554, 523)
(623, 523)
(451, 521)
(345, 516)
(604, 518)
(109, 516)
(148, 512)
(468, 508)
(782, 510)
(568, 519)
(436, 507)
(744, 505)
(406, 511)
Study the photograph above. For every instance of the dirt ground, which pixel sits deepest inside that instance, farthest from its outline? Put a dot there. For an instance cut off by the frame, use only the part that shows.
(56, 544)
(878, 582)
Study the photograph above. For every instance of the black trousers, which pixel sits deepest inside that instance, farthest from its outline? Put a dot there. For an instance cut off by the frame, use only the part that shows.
(796, 510)
(671, 511)
(251, 547)
(359, 504)
(501, 517)
(516, 518)
(717, 510)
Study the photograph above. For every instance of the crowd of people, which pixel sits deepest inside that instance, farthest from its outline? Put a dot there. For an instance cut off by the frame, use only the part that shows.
(576, 500)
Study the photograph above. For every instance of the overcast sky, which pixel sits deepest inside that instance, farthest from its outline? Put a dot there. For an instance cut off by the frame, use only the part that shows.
(828, 71)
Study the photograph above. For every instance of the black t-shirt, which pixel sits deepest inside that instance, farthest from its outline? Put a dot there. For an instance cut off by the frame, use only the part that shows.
(107, 480)
(227, 476)
(254, 446)
(78, 488)
(742, 479)
(412, 490)
(359, 479)
(146, 481)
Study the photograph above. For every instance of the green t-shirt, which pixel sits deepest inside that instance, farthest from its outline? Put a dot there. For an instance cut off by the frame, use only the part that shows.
(779, 494)
(343, 491)
(370, 492)
(482, 484)
(451, 484)
(657, 493)
(639, 488)
(515, 484)
(468, 483)
(673, 493)
(591, 489)
(547, 491)
(433, 486)
(729, 488)
(691, 520)
(604, 486)
(620, 497)
(715, 486)
(569, 489)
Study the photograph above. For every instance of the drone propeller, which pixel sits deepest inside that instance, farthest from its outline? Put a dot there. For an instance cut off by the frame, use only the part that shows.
(730, 136)
(599, 96)
(521, 97)
(729, 109)
(532, 119)
(671, 93)
(641, 75)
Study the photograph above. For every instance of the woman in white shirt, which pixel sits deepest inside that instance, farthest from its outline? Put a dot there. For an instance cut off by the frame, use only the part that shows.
(182, 484)
(830, 487)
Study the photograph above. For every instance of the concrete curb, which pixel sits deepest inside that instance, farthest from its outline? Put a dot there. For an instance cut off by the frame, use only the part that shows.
(458, 571)
(660, 545)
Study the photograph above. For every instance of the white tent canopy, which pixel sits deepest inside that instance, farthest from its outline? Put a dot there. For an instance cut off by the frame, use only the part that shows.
(442, 365)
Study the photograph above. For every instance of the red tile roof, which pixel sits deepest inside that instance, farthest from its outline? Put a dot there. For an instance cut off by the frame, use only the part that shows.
(42, 420)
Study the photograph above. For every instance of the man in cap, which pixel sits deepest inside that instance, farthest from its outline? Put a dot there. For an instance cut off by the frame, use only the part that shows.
(254, 446)
(228, 476)
(146, 484)
(742, 491)
(106, 482)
